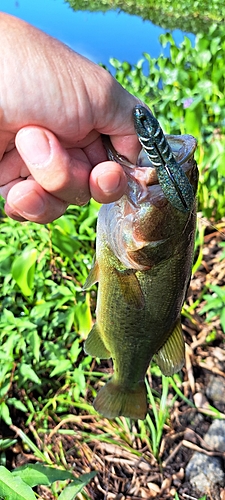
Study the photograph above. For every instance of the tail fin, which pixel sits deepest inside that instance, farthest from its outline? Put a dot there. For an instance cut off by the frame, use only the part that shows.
(113, 400)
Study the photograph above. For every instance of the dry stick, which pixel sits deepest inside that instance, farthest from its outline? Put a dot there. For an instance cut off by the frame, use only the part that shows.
(212, 369)
(171, 455)
(195, 447)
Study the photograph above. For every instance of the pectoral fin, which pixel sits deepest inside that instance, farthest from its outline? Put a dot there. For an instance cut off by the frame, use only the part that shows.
(94, 344)
(130, 288)
(170, 358)
(93, 276)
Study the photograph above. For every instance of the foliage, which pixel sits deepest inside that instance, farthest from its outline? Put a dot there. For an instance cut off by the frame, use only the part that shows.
(215, 304)
(44, 316)
(43, 306)
(160, 405)
(19, 484)
(186, 93)
(187, 15)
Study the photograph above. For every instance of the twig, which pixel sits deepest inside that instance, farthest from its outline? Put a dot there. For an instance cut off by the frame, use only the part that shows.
(195, 447)
(72, 418)
(211, 369)
(189, 496)
(171, 455)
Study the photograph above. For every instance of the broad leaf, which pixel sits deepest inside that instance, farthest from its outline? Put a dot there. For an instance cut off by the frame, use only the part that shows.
(23, 270)
(14, 488)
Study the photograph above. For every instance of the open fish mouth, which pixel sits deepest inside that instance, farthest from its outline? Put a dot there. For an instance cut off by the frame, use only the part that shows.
(144, 172)
(168, 160)
(183, 148)
(173, 180)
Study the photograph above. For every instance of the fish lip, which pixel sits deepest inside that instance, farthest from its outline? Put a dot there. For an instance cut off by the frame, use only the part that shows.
(143, 185)
(183, 148)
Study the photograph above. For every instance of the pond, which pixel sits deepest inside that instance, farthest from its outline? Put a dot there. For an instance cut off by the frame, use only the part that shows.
(95, 35)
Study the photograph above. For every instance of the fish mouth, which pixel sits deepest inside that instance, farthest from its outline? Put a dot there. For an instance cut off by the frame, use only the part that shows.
(183, 148)
(143, 183)
(144, 172)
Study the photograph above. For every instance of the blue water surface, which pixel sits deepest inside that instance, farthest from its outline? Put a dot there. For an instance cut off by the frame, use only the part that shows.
(95, 35)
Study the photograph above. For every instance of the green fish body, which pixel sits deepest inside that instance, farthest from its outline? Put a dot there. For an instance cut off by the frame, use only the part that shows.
(143, 266)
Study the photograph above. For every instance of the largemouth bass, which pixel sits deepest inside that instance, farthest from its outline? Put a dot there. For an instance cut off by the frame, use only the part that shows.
(143, 265)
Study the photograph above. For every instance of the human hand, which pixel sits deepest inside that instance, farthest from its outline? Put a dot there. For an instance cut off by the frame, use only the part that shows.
(55, 104)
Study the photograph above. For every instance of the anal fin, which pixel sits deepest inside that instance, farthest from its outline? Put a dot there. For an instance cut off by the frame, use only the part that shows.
(170, 358)
(94, 344)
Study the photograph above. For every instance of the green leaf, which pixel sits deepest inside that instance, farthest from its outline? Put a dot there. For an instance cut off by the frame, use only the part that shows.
(192, 122)
(203, 58)
(35, 343)
(38, 474)
(4, 413)
(4, 369)
(13, 488)
(76, 486)
(61, 367)
(7, 443)
(17, 404)
(23, 269)
(38, 453)
(28, 373)
(83, 316)
(64, 242)
(75, 351)
(9, 316)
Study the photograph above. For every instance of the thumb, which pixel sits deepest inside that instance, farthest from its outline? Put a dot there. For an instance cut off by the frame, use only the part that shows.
(58, 177)
(64, 173)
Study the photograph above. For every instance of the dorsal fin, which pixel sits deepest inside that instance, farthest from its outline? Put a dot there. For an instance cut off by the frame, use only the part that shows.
(93, 276)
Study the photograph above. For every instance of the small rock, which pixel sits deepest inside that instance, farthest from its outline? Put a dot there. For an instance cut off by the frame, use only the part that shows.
(215, 390)
(215, 437)
(205, 472)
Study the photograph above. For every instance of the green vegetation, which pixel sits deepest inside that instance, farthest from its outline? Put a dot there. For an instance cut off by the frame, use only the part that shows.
(186, 93)
(46, 381)
(188, 15)
(17, 485)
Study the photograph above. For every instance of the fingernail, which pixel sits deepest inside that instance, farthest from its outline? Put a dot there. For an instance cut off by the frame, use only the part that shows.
(109, 182)
(34, 146)
(29, 205)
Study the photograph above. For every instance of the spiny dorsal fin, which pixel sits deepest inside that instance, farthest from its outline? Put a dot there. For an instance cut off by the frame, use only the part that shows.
(93, 275)
(171, 356)
(94, 345)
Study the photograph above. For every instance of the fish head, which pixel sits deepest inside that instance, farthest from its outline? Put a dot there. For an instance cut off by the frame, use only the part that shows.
(143, 221)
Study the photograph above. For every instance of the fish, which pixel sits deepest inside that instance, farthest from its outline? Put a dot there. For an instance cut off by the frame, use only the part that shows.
(144, 251)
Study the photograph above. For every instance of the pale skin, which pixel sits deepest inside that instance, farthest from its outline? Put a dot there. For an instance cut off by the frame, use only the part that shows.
(54, 106)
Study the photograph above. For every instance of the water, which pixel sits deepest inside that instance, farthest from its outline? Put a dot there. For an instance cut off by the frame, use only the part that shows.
(95, 35)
